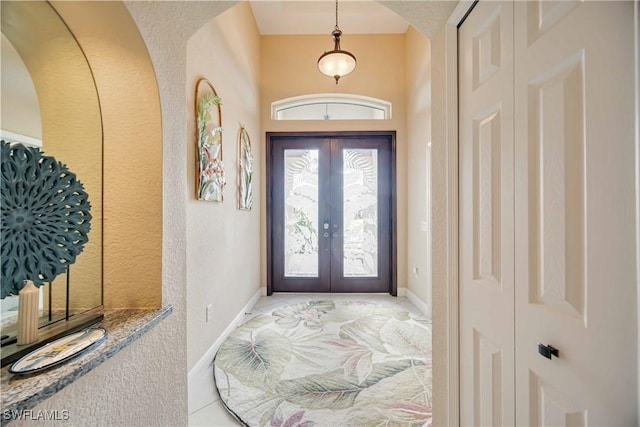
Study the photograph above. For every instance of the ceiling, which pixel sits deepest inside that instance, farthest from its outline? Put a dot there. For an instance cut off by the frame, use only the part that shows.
(280, 17)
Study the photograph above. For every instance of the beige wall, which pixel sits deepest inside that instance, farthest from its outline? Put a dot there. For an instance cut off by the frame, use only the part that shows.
(418, 75)
(439, 221)
(145, 384)
(71, 127)
(380, 73)
(132, 158)
(223, 245)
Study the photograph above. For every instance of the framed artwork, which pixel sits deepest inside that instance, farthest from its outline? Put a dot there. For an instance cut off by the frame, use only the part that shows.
(210, 179)
(245, 170)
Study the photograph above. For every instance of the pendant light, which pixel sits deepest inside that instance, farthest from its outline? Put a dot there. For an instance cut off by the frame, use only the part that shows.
(336, 63)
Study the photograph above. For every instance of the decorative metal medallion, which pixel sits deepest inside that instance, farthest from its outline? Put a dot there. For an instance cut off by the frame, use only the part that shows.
(45, 217)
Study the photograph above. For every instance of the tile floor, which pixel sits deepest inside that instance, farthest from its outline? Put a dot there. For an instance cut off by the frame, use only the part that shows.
(205, 407)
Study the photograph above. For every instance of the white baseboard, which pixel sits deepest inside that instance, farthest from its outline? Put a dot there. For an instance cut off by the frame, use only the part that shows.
(263, 291)
(206, 361)
(402, 292)
(423, 306)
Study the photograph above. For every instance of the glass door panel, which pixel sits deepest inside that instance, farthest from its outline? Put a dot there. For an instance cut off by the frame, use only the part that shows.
(301, 213)
(360, 212)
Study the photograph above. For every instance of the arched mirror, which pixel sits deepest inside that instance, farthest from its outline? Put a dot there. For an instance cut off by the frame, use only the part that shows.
(49, 99)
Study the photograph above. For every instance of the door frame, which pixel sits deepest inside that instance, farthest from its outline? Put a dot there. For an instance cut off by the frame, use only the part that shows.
(393, 286)
(446, 315)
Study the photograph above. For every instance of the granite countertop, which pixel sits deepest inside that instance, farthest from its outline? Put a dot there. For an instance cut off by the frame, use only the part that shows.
(22, 392)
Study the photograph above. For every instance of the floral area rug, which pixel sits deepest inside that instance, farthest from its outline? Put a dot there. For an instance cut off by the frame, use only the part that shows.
(328, 364)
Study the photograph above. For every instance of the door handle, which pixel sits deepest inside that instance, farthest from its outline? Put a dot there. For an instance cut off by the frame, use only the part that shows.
(548, 351)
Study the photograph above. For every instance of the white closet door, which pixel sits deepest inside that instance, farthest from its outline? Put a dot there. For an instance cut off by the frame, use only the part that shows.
(574, 213)
(486, 216)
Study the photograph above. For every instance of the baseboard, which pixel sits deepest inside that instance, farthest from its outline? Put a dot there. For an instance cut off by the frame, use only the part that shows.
(423, 306)
(402, 292)
(206, 360)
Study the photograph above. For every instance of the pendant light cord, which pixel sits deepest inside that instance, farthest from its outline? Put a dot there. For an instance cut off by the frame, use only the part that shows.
(337, 14)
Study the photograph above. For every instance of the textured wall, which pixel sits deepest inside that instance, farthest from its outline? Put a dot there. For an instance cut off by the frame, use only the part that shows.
(145, 384)
(439, 272)
(132, 154)
(141, 386)
(427, 16)
(223, 243)
(380, 73)
(70, 122)
(418, 75)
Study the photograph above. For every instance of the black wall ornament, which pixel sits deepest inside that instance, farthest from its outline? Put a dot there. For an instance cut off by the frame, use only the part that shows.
(45, 217)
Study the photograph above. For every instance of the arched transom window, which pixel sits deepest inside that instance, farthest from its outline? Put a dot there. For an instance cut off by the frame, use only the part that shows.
(331, 106)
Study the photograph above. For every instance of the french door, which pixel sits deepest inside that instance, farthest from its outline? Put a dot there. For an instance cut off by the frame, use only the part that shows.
(330, 211)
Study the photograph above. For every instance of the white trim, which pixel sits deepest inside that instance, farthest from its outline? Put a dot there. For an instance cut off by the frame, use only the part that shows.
(330, 98)
(415, 300)
(452, 349)
(402, 292)
(636, 10)
(206, 360)
(9, 136)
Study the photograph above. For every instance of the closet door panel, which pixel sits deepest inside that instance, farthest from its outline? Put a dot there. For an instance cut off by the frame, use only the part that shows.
(486, 215)
(574, 214)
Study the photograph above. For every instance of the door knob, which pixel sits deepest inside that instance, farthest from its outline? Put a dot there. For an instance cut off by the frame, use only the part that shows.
(548, 351)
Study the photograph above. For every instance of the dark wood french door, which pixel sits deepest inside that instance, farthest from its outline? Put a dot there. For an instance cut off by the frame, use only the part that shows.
(331, 212)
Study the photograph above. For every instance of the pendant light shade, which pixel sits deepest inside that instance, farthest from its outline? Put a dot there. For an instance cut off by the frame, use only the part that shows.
(336, 63)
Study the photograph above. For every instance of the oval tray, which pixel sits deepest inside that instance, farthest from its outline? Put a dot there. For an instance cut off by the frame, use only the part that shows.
(58, 351)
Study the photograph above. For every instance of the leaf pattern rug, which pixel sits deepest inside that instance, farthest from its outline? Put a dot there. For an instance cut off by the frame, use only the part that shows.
(328, 364)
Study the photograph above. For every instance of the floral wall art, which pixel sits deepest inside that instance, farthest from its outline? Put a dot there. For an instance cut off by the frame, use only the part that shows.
(210, 167)
(245, 170)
